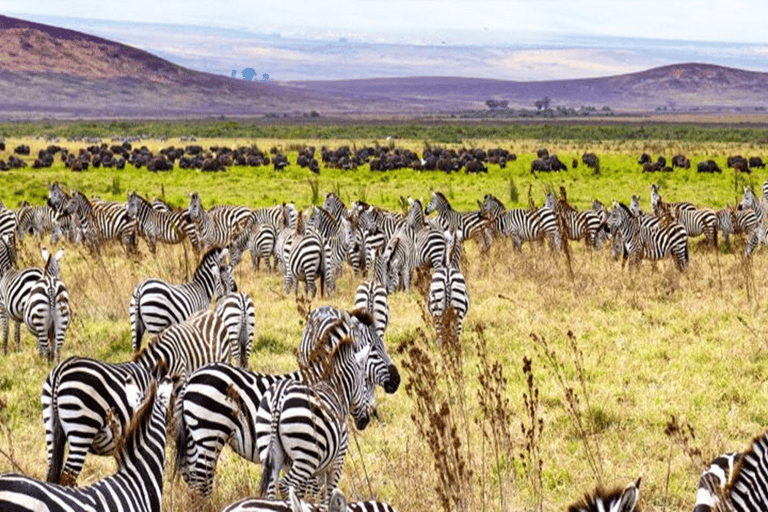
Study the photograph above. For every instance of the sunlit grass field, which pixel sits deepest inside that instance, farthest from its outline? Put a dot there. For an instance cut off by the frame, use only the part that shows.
(644, 346)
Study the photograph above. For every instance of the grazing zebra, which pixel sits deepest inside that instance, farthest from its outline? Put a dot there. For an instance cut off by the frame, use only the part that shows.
(260, 240)
(305, 260)
(38, 221)
(180, 217)
(238, 315)
(616, 500)
(713, 481)
(695, 221)
(338, 503)
(78, 396)
(750, 202)
(641, 241)
(522, 225)
(153, 224)
(448, 290)
(336, 234)
(399, 260)
(15, 287)
(736, 221)
(577, 224)
(138, 484)
(372, 297)
(218, 226)
(217, 405)
(469, 224)
(304, 426)
(156, 304)
(47, 312)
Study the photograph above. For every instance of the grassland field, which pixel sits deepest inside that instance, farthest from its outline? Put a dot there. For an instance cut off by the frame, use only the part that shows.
(645, 345)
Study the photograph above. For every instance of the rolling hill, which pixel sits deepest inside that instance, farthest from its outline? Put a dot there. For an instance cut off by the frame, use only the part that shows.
(47, 71)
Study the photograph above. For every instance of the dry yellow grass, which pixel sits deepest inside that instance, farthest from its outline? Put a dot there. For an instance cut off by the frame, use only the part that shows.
(654, 344)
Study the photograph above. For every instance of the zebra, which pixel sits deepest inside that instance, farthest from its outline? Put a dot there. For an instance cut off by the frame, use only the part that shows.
(153, 224)
(576, 224)
(337, 503)
(695, 221)
(304, 427)
(399, 260)
(15, 287)
(79, 394)
(750, 202)
(180, 217)
(641, 241)
(603, 500)
(713, 481)
(137, 485)
(218, 226)
(736, 481)
(336, 234)
(674, 208)
(470, 224)
(9, 224)
(732, 220)
(304, 259)
(38, 221)
(448, 290)
(372, 296)
(237, 313)
(100, 221)
(522, 225)
(156, 304)
(218, 403)
(260, 240)
(47, 313)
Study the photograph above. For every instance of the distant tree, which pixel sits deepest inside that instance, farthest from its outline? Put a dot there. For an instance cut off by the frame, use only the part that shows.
(543, 103)
(265, 77)
(248, 73)
(492, 104)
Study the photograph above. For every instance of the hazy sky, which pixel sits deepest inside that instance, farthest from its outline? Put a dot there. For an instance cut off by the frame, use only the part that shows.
(521, 40)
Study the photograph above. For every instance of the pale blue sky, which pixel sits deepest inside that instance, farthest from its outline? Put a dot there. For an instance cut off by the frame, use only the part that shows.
(517, 40)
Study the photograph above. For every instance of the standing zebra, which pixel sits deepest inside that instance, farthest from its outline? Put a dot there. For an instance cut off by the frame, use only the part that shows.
(153, 224)
(576, 224)
(218, 226)
(78, 396)
(641, 241)
(372, 296)
(217, 405)
(750, 202)
(522, 225)
(47, 312)
(156, 304)
(469, 224)
(304, 426)
(616, 500)
(15, 287)
(696, 221)
(736, 221)
(448, 291)
(9, 224)
(306, 259)
(238, 315)
(137, 486)
(38, 221)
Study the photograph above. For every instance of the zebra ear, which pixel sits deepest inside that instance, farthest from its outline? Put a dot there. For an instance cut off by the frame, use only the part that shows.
(45, 254)
(628, 499)
(59, 254)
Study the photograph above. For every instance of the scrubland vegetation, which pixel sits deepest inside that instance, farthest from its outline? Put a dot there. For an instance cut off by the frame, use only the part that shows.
(570, 371)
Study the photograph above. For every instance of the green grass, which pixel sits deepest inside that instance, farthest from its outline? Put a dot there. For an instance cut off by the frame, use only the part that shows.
(653, 343)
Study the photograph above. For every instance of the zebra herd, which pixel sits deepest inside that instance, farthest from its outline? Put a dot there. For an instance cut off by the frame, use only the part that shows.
(295, 423)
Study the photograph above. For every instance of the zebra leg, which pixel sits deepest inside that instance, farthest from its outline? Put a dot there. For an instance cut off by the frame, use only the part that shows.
(17, 335)
(4, 319)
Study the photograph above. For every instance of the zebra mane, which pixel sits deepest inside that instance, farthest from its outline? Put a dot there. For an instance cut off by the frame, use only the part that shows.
(626, 209)
(746, 485)
(363, 316)
(141, 417)
(442, 198)
(325, 350)
(616, 500)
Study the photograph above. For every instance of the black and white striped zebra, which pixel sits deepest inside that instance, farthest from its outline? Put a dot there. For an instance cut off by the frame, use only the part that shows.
(336, 234)
(471, 225)
(305, 259)
(736, 481)
(78, 397)
(522, 225)
(734, 221)
(696, 221)
(180, 217)
(156, 304)
(607, 500)
(641, 241)
(238, 315)
(153, 224)
(38, 221)
(372, 296)
(220, 225)
(136, 486)
(15, 287)
(47, 313)
(217, 405)
(338, 503)
(399, 260)
(303, 427)
(750, 202)
(9, 224)
(576, 224)
(448, 290)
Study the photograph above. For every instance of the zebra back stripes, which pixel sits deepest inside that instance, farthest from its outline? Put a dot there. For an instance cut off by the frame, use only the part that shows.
(337, 504)
(218, 226)
(238, 315)
(137, 485)
(710, 494)
(153, 224)
(78, 397)
(155, 304)
(448, 291)
(47, 313)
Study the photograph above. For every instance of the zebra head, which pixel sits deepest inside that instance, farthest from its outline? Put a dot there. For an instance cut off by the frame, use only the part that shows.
(379, 367)
(635, 205)
(437, 201)
(655, 195)
(195, 208)
(56, 196)
(749, 199)
(132, 206)
(617, 500)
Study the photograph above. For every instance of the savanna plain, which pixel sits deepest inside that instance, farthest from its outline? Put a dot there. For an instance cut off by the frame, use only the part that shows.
(570, 371)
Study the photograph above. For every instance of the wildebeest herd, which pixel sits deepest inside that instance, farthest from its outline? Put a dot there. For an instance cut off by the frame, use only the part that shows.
(342, 354)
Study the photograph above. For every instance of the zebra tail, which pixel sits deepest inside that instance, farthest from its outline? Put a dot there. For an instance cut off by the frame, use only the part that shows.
(270, 467)
(243, 341)
(56, 463)
(138, 325)
(323, 263)
(180, 436)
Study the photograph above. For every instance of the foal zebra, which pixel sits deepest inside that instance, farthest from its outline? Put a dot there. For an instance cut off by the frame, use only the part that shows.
(136, 486)
(156, 304)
